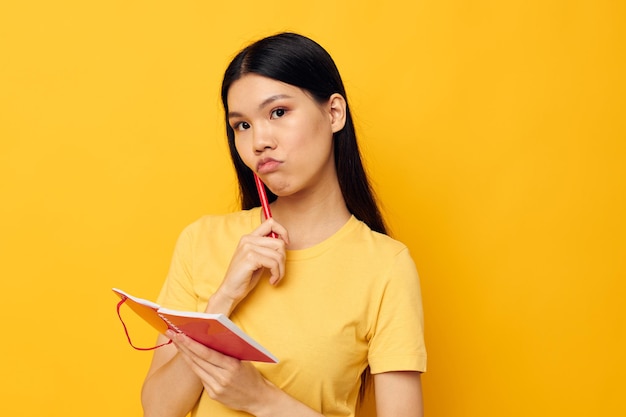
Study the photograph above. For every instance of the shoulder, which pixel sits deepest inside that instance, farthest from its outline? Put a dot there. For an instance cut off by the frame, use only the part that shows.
(375, 254)
(377, 242)
(217, 230)
(217, 235)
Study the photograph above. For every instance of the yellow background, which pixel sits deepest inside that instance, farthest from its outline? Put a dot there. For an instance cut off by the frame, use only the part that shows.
(494, 131)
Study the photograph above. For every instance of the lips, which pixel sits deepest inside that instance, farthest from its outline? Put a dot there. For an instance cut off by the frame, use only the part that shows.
(267, 165)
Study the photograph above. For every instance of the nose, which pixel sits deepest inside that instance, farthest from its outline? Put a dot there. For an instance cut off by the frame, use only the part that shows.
(262, 138)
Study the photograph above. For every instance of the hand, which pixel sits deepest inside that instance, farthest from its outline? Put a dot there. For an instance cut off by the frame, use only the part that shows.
(255, 252)
(236, 384)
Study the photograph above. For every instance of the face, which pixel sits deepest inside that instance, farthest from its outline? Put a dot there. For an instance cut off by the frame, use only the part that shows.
(283, 134)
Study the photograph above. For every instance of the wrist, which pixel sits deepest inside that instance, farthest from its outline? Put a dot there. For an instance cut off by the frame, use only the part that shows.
(221, 303)
(266, 401)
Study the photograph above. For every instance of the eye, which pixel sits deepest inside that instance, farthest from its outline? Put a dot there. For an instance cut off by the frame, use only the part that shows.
(241, 126)
(278, 113)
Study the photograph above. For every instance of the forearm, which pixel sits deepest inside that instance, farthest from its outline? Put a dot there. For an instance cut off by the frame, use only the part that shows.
(171, 390)
(276, 403)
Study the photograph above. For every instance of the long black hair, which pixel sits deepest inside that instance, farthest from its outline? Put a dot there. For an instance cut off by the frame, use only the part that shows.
(297, 60)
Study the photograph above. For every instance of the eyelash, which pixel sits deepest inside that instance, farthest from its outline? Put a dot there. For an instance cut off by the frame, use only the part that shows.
(239, 126)
(280, 109)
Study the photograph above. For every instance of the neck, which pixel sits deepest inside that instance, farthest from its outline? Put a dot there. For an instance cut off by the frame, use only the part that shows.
(311, 219)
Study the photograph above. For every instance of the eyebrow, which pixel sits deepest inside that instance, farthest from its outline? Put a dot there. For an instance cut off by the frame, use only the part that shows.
(264, 103)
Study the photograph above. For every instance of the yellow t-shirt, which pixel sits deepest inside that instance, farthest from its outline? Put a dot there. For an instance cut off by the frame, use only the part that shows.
(351, 301)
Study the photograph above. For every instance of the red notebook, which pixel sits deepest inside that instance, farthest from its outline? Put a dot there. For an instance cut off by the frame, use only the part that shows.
(213, 330)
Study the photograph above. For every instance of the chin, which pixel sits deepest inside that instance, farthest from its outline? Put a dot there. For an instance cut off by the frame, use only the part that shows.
(282, 191)
(279, 188)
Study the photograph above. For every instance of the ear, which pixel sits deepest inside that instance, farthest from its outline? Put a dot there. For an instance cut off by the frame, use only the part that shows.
(337, 112)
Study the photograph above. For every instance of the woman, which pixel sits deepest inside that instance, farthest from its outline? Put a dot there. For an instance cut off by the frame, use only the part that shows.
(332, 297)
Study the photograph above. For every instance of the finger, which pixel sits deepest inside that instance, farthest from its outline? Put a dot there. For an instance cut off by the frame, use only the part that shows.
(250, 242)
(254, 248)
(209, 372)
(200, 355)
(273, 261)
(271, 225)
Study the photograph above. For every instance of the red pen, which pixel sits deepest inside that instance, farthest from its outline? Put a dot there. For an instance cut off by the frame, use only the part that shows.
(264, 202)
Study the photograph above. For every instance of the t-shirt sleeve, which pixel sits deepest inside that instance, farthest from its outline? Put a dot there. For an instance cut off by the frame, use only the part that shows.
(397, 341)
(178, 292)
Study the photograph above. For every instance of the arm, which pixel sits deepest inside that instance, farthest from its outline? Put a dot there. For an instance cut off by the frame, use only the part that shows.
(399, 334)
(236, 384)
(240, 386)
(398, 394)
(170, 388)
